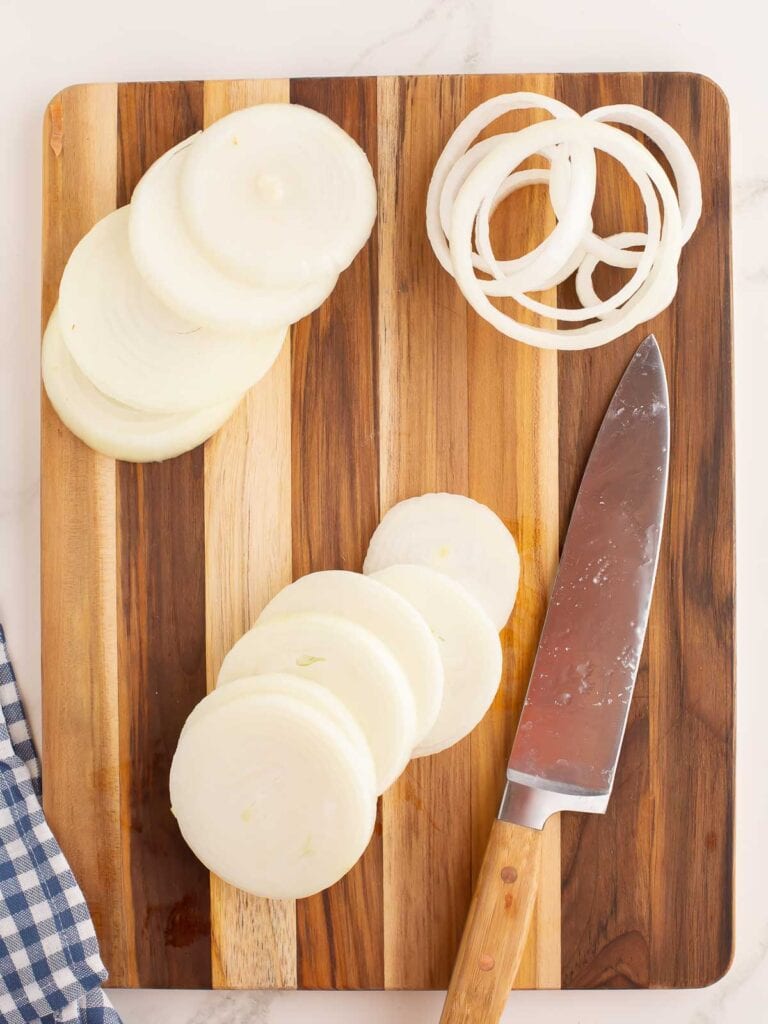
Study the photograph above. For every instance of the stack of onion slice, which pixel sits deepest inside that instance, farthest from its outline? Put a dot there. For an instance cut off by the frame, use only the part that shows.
(171, 308)
(343, 678)
(470, 180)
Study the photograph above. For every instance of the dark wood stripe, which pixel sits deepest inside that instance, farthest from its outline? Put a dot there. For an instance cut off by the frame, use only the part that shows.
(605, 859)
(691, 633)
(335, 509)
(161, 626)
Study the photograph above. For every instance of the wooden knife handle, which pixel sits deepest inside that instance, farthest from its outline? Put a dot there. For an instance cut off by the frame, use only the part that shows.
(496, 927)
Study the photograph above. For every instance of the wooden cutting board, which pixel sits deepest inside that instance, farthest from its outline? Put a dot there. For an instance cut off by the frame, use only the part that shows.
(392, 388)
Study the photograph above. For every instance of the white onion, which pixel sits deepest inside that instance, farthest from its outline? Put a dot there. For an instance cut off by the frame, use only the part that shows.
(457, 536)
(385, 614)
(615, 244)
(270, 793)
(137, 350)
(347, 660)
(469, 645)
(484, 259)
(645, 261)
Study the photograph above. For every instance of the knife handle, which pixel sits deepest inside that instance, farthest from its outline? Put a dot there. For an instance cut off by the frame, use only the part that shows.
(496, 927)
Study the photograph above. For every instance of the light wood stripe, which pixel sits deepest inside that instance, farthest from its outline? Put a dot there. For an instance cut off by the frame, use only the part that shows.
(79, 612)
(423, 421)
(247, 560)
(513, 413)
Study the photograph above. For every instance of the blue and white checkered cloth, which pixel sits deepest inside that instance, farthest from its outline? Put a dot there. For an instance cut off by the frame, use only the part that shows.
(50, 967)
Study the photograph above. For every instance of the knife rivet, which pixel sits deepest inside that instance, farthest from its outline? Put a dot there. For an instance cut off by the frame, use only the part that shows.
(508, 875)
(486, 962)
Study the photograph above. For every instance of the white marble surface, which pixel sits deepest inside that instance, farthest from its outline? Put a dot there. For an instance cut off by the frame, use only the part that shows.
(44, 46)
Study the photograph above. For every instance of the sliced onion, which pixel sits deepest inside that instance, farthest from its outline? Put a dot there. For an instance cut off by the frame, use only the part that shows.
(484, 259)
(457, 536)
(343, 658)
(488, 176)
(470, 181)
(390, 618)
(271, 794)
(469, 644)
(644, 264)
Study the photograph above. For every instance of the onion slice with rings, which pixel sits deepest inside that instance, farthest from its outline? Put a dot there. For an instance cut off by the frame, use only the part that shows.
(471, 180)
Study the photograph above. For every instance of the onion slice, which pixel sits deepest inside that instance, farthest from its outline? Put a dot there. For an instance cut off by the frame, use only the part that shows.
(574, 217)
(278, 195)
(271, 794)
(616, 246)
(471, 178)
(469, 646)
(388, 616)
(674, 148)
(457, 536)
(186, 280)
(309, 693)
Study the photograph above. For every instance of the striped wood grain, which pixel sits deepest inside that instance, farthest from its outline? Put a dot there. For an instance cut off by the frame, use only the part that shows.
(422, 396)
(691, 643)
(392, 388)
(513, 412)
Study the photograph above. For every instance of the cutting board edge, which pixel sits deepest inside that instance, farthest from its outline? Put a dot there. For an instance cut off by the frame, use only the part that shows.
(682, 74)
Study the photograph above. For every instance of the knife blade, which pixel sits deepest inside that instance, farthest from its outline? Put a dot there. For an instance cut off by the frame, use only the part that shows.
(568, 740)
(569, 736)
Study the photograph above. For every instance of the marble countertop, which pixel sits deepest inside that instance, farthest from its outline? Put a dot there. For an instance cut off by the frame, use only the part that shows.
(45, 47)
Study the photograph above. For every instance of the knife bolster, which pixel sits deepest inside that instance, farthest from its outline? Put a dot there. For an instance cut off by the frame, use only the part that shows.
(532, 806)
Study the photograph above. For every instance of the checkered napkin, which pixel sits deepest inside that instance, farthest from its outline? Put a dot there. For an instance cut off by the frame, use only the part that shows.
(50, 968)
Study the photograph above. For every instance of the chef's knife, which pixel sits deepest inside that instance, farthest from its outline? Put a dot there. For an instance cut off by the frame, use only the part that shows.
(568, 740)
